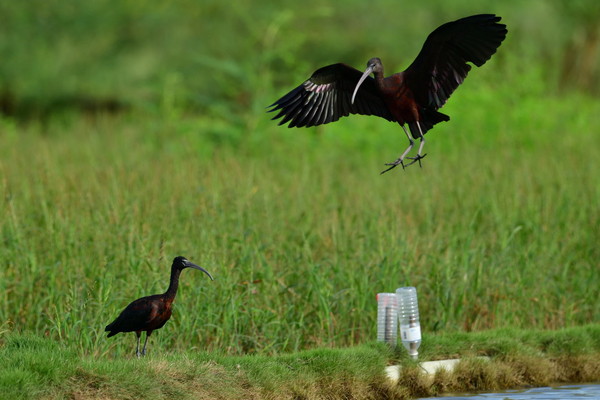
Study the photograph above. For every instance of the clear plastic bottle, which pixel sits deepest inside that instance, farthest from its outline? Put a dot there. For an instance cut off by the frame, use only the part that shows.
(387, 318)
(408, 314)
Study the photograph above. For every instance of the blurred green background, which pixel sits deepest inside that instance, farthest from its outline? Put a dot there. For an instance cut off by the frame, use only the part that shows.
(135, 131)
(225, 59)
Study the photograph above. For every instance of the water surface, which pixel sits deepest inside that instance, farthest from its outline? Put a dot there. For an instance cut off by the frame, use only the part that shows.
(568, 392)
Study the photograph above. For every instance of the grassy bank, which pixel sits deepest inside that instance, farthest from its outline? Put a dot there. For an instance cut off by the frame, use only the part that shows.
(35, 367)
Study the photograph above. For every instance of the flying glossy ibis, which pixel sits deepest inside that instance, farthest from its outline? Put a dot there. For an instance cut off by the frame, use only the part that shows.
(410, 97)
(151, 312)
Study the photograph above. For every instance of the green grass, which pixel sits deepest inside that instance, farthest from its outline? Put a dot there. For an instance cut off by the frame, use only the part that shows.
(33, 367)
(36, 367)
(498, 229)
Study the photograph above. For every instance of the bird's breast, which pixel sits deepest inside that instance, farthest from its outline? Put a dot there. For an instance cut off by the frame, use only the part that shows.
(161, 315)
(399, 99)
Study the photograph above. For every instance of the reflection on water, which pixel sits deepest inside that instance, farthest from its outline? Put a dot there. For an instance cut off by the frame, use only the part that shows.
(570, 392)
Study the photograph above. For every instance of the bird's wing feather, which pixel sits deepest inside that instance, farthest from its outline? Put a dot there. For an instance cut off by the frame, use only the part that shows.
(326, 97)
(441, 66)
(135, 316)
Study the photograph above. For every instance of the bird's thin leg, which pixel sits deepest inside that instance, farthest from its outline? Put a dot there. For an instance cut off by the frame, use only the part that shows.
(400, 159)
(137, 349)
(148, 333)
(418, 157)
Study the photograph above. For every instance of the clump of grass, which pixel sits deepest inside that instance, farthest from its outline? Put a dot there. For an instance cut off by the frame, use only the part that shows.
(413, 382)
(443, 381)
(511, 371)
(476, 374)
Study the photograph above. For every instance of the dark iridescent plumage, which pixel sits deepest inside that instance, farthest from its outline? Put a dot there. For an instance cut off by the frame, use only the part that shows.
(410, 97)
(151, 312)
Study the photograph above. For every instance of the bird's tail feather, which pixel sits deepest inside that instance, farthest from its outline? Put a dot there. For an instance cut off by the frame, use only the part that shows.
(112, 333)
(109, 329)
(428, 119)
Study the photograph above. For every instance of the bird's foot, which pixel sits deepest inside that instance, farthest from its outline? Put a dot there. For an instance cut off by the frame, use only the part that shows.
(393, 165)
(138, 354)
(418, 158)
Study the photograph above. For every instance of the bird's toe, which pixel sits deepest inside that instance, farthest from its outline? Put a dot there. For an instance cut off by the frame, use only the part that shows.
(415, 159)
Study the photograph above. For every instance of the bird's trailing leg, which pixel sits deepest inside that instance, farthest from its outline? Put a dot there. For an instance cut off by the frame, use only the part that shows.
(137, 349)
(418, 157)
(148, 333)
(400, 159)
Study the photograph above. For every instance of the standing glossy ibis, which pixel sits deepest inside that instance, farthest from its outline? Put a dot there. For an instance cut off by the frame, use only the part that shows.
(410, 97)
(151, 312)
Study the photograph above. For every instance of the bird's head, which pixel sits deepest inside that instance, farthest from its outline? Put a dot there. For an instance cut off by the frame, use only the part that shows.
(374, 66)
(181, 263)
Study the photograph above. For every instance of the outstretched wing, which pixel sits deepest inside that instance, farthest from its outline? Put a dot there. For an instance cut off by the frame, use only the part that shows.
(326, 97)
(442, 63)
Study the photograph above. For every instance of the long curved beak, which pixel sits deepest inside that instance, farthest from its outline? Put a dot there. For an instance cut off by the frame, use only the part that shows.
(199, 268)
(367, 72)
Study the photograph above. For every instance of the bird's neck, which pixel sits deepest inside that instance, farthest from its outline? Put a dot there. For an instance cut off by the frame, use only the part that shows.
(378, 75)
(173, 284)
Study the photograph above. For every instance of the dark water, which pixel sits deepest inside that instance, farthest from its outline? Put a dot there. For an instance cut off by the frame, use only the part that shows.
(569, 392)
